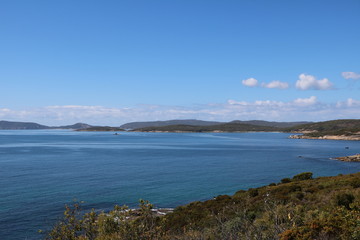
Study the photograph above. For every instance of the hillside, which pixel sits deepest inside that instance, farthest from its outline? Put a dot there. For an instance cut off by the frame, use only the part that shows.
(100, 129)
(298, 208)
(74, 126)
(271, 124)
(191, 122)
(226, 127)
(7, 125)
(348, 129)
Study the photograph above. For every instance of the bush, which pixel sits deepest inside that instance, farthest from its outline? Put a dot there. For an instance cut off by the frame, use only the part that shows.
(303, 176)
(355, 183)
(285, 180)
(253, 192)
(299, 195)
(344, 199)
(294, 188)
(312, 189)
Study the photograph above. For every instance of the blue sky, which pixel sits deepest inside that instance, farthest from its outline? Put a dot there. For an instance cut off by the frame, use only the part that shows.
(111, 62)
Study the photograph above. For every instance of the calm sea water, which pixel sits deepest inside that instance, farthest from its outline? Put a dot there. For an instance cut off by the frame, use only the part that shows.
(40, 171)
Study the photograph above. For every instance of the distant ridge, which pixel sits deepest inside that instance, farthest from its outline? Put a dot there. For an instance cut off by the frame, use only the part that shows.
(190, 122)
(7, 125)
(342, 129)
(194, 122)
(192, 125)
(225, 127)
(75, 126)
(271, 124)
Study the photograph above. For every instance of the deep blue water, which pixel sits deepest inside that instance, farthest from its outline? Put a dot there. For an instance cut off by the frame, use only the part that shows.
(40, 171)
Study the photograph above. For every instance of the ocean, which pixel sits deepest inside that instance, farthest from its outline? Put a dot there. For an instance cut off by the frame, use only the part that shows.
(42, 170)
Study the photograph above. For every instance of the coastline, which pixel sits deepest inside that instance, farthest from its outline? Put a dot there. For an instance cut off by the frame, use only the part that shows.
(352, 158)
(215, 131)
(328, 137)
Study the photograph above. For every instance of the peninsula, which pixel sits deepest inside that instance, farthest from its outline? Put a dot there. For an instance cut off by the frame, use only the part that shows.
(233, 126)
(346, 129)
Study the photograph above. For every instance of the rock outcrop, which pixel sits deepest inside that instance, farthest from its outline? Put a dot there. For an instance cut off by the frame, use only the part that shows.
(353, 158)
(328, 137)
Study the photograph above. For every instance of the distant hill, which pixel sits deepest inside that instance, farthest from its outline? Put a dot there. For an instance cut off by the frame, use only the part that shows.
(191, 122)
(346, 129)
(101, 129)
(226, 127)
(271, 124)
(333, 127)
(6, 125)
(75, 126)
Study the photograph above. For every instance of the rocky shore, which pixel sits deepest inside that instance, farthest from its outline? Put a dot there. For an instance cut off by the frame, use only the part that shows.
(353, 158)
(328, 137)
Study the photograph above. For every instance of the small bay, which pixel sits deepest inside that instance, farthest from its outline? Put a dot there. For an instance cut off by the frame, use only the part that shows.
(41, 170)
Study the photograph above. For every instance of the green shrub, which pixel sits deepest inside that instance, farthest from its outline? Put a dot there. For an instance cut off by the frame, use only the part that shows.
(299, 195)
(312, 189)
(253, 192)
(344, 199)
(355, 183)
(240, 192)
(303, 176)
(285, 180)
(294, 188)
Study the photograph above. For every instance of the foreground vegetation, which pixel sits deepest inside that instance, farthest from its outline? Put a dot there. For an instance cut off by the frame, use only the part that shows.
(297, 208)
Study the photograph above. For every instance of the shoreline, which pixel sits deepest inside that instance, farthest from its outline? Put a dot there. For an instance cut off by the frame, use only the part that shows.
(352, 158)
(328, 137)
(215, 131)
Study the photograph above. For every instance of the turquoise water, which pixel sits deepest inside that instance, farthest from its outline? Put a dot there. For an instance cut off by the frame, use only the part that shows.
(42, 170)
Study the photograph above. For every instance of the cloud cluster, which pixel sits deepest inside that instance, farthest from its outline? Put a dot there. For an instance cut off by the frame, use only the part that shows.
(350, 75)
(307, 82)
(252, 82)
(298, 109)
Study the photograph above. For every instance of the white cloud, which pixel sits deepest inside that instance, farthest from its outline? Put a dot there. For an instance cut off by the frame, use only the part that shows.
(305, 101)
(352, 102)
(276, 84)
(250, 82)
(298, 109)
(307, 82)
(349, 103)
(268, 103)
(350, 75)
